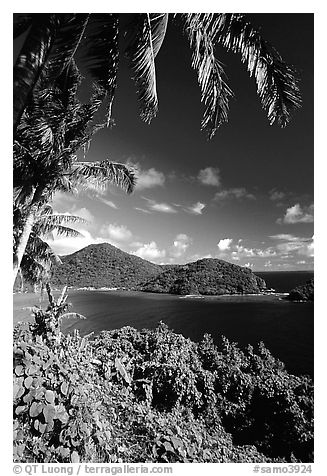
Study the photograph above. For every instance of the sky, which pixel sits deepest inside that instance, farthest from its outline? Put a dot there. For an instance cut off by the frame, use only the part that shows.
(246, 196)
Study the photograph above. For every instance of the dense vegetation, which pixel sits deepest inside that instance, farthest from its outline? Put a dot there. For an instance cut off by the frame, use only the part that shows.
(305, 292)
(206, 276)
(105, 265)
(152, 396)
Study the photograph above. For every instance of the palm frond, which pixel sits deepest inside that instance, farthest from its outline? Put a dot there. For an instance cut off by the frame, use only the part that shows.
(215, 93)
(66, 43)
(32, 59)
(39, 249)
(51, 223)
(104, 173)
(277, 82)
(66, 231)
(37, 260)
(68, 83)
(63, 296)
(102, 55)
(151, 29)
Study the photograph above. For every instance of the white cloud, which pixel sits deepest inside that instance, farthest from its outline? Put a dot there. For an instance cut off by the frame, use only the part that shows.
(148, 178)
(285, 237)
(275, 195)
(242, 250)
(198, 256)
(61, 199)
(297, 214)
(116, 233)
(136, 244)
(197, 208)
(268, 264)
(84, 213)
(290, 243)
(307, 249)
(248, 265)
(251, 252)
(109, 203)
(150, 251)
(63, 245)
(141, 210)
(159, 207)
(265, 253)
(162, 207)
(180, 245)
(209, 176)
(225, 244)
(233, 193)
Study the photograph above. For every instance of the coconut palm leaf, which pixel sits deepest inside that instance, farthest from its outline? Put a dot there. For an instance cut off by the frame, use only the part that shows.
(66, 43)
(151, 29)
(32, 59)
(56, 222)
(102, 55)
(63, 296)
(39, 256)
(66, 231)
(39, 250)
(215, 93)
(48, 51)
(277, 83)
(105, 172)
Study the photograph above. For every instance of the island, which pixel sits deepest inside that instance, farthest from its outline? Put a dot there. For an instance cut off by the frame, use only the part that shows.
(106, 266)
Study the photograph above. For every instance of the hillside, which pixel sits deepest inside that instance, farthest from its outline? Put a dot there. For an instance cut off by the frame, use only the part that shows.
(305, 292)
(206, 276)
(105, 265)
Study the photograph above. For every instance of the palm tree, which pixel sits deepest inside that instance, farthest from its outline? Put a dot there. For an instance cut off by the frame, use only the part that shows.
(53, 127)
(39, 256)
(53, 40)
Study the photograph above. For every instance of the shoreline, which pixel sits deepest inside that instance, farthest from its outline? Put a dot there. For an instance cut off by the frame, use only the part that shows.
(267, 292)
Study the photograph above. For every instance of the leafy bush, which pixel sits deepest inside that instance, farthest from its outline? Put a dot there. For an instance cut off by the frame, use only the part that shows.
(152, 396)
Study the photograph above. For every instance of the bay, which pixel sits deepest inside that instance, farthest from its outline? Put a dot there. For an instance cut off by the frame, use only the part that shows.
(285, 327)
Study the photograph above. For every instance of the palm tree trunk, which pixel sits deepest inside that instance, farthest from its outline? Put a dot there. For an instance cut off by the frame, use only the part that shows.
(22, 242)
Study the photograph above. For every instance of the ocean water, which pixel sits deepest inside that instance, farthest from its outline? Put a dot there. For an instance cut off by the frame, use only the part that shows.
(284, 281)
(285, 327)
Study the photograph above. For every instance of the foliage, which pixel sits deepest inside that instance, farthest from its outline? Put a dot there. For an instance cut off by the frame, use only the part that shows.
(152, 396)
(103, 265)
(39, 256)
(206, 276)
(305, 292)
(53, 41)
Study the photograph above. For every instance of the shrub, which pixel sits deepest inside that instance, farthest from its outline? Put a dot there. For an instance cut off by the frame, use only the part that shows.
(152, 396)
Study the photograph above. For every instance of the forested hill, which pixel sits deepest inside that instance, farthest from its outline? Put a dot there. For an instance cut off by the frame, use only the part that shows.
(206, 276)
(104, 265)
